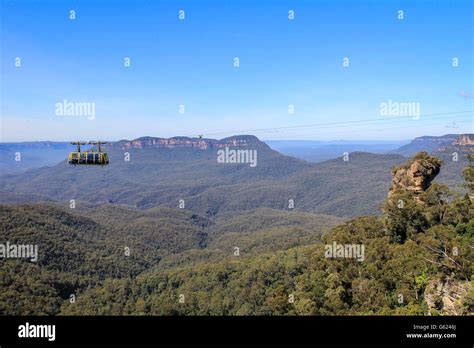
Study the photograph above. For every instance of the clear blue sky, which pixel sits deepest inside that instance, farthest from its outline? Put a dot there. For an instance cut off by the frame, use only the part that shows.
(190, 62)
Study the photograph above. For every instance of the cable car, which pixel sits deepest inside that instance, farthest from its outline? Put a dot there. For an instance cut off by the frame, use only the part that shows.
(89, 156)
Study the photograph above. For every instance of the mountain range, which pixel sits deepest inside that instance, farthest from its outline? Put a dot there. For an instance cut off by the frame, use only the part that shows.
(48, 153)
(148, 172)
(442, 144)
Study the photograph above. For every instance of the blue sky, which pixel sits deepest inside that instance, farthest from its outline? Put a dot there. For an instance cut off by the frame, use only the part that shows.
(190, 62)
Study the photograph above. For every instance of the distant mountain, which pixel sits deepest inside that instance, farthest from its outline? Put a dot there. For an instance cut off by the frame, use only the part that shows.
(152, 171)
(334, 187)
(440, 144)
(17, 157)
(318, 151)
(244, 141)
(47, 153)
(162, 172)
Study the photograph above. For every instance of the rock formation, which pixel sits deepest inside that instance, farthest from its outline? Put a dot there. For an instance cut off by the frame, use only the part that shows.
(416, 175)
(186, 142)
(447, 297)
(464, 140)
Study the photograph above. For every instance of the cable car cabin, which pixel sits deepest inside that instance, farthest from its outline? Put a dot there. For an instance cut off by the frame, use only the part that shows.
(90, 157)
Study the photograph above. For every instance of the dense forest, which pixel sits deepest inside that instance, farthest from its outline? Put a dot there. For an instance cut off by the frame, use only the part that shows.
(418, 257)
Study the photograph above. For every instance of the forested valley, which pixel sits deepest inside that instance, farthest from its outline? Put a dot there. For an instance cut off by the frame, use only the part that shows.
(115, 260)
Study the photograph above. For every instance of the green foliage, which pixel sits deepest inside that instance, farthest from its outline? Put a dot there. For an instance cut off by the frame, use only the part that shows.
(468, 174)
(182, 263)
(403, 216)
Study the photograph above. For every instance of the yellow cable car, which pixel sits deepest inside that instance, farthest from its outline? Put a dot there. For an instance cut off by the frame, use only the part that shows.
(89, 156)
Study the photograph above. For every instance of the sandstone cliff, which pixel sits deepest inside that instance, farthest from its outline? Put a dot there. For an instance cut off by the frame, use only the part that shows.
(464, 140)
(186, 142)
(416, 175)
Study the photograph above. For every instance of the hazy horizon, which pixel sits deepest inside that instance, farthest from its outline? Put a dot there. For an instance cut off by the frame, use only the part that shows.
(334, 141)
